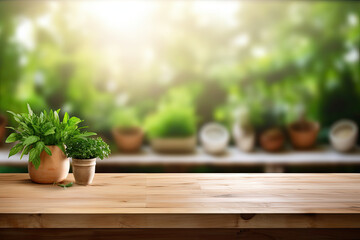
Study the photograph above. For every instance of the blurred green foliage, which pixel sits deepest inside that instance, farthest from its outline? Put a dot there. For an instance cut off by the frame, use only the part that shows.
(272, 57)
(175, 117)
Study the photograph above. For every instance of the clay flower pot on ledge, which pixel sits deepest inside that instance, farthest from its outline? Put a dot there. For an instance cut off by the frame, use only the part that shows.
(214, 138)
(272, 140)
(3, 123)
(52, 169)
(303, 134)
(244, 136)
(128, 139)
(343, 135)
(174, 145)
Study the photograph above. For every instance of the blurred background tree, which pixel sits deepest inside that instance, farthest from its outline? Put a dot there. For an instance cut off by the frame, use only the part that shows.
(94, 58)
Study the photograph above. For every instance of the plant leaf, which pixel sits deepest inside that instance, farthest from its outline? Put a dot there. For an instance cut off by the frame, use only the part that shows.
(61, 146)
(30, 110)
(14, 150)
(34, 157)
(87, 134)
(48, 151)
(50, 131)
(12, 138)
(25, 151)
(12, 113)
(30, 140)
(66, 117)
(74, 121)
(66, 185)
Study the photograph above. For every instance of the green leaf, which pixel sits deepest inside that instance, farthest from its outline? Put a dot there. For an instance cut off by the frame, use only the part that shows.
(25, 151)
(74, 121)
(34, 157)
(87, 134)
(66, 185)
(30, 110)
(56, 117)
(48, 151)
(66, 117)
(30, 140)
(12, 138)
(14, 150)
(50, 131)
(61, 146)
(12, 113)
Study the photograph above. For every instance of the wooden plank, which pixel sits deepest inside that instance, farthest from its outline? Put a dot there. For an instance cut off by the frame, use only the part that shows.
(176, 234)
(197, 221)
(184, 201)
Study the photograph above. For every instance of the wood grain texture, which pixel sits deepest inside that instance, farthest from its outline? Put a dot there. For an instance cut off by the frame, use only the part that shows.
(180, 234)
(184, 201)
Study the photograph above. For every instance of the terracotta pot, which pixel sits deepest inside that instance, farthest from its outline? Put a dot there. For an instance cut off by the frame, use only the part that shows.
(303, 134)
(84, 170)
(174, 145)
(128, 139)
(272, 140)
(244, 137)
(214, 138)
(343, 135)
(52, 169)
(3, 123)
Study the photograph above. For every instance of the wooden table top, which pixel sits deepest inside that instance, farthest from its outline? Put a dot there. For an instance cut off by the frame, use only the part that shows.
(183, 195)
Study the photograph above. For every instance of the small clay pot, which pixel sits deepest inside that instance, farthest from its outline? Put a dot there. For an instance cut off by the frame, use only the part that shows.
(343, 135)
(174, 145)
(214, 138)
(303, 134)
(244, 137)
(52, 169)
(128, 139)
(83, 170)
(3, 123)
(272, 140)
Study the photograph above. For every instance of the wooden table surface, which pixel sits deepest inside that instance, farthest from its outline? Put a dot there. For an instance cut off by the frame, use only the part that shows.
(184, 201)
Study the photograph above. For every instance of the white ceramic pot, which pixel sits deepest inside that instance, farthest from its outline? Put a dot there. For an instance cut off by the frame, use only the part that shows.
(244, 137)
(84, 170)
(214, 138)
(174, 145)
(343, 135)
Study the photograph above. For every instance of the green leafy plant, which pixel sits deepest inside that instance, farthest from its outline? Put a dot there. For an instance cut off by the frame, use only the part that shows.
(175, 117)
(124, 118)
(171, 122)
(88, 148)
(35, 132)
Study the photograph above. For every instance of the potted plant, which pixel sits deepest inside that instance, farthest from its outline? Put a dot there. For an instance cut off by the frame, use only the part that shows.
(272, 137)
(127, 132)
(243, 131)
(343, 135)
(84, 153)
(172, 130)
(214, 138)
(43, 137)
(303, 133)
(3, 123)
